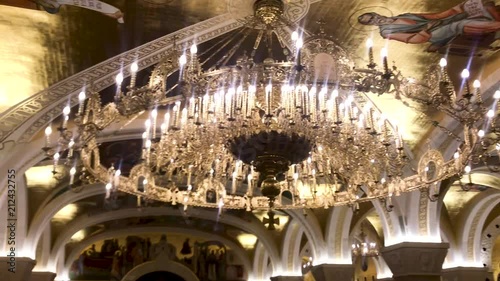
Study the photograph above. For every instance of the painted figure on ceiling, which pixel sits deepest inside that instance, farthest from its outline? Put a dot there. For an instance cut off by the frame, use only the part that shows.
(472, 17)
(53, 6)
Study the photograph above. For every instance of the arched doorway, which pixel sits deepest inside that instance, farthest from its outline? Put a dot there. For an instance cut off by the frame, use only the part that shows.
(162, 265)
(161, 276)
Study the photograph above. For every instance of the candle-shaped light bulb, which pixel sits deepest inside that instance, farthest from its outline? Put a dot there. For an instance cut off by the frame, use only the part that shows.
(456, 155)
(182, 59)
(193, 49)
(295, 36)
(134, 67)
(476, 84)
(480, 133)
(81, 96)
(491, 113)
(119, 78)
(465, 74)
(72, 171)
(369, 43)
(66, 110)
(118, 173)
(154, 113)
(109, 186)
(148, 144)
(299, 43)
(48, 131)
(147, 124)
(57, 156)
(443, 62)
(496, 95)
(467, 169)
(383, 52)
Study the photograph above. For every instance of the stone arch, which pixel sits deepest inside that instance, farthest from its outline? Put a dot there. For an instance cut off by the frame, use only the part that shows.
(290, 253)
(312, 230)
(337, 228)
(160, 265)
(488, 237)
(84, 221)
(471, 223)
(75, 252)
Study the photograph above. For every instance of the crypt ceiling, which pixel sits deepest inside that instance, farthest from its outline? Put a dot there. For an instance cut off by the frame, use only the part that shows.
(40, 49)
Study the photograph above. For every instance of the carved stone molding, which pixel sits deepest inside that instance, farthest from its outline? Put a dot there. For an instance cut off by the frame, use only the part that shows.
(35, 112)
(488, 238)
(410, 260)
(21, 266)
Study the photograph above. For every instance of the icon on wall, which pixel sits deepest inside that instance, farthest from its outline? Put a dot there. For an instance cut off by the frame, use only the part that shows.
(475, 23)
(53, 6)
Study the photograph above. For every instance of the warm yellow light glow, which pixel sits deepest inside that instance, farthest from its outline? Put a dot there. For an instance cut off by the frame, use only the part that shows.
(24, 52)
(67, 213)
(78, 236)
(41, 176)
(247, 240)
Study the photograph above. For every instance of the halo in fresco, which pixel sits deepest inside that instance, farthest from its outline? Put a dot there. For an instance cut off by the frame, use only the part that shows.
(353, 19)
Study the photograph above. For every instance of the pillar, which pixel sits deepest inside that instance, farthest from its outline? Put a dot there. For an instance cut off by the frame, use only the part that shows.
(16, 268)
(333, 272)
(412, 261)
(42, 276)
(465, 274)
(287, 278)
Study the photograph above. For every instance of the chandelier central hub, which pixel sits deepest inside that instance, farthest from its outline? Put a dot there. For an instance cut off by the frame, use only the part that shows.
(269, 11)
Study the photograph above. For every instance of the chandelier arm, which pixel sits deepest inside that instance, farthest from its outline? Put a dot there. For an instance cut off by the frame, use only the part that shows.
(233, 37)
(224, 60)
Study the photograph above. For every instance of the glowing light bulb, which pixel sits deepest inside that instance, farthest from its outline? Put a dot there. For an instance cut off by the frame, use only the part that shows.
(48, 131)
(467, 169)
(72, 171)
(295, 36)
(299, 43)
(71, 143)
(66, 110)
(443, 62)
(456, 155)
(118, 173)
(182, 59)
(154, 113)
(369, 43)
(383, 52)
(134, 67)
(490, 113)
(465, 73)
(108, 186)
(81, 96)
(119, 78)
(193, 49)
(480, 133)
(476, 84)
(57, 156)
(496, 95)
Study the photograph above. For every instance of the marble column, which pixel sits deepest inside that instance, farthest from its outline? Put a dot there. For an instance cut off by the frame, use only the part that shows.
(287, 278)
(16, 269)
(333, 272)
(412, 261)
(42, 276)
(465, 274)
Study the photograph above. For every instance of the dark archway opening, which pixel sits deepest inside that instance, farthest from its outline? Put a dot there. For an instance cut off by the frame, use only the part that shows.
(161, 276)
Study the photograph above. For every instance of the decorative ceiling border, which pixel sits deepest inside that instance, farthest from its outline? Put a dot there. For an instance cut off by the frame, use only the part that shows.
(24, 120)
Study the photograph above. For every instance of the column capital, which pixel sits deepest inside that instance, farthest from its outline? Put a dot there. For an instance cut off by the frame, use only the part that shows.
(287, 278)
(414, 260)
(333, 272)
(465, 274)
(16, 268)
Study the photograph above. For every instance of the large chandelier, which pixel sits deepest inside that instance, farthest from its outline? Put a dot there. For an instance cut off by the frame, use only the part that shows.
(363, 247)
(263, 134)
